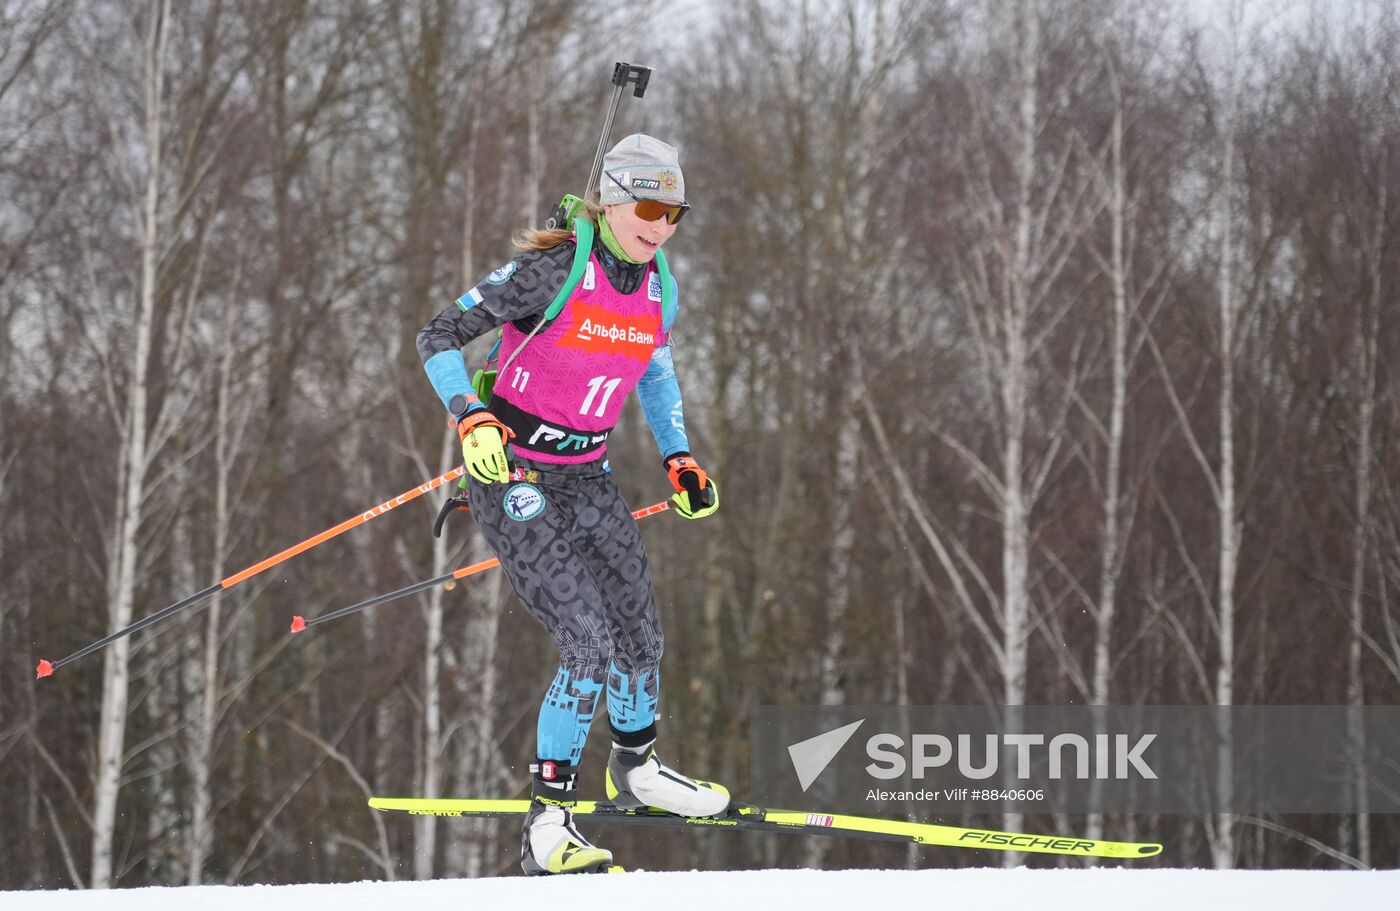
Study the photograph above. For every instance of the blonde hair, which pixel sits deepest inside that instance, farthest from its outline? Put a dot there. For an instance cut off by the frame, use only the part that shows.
(535, 239)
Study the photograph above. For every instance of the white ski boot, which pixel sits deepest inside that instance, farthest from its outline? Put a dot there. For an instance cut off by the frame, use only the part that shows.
(549, 842)
(637, 778)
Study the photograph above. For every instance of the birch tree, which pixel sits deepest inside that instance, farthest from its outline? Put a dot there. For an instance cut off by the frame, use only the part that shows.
(1223, 479)
(1026, 198)
(1365, 368)
(171, 212)
(1374, 194)
(1143, 253)
(134, 465)
(233, 412)
(1221, 476)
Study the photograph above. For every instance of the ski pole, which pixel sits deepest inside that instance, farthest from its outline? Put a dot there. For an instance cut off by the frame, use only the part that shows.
(300, 623)
(46, 668)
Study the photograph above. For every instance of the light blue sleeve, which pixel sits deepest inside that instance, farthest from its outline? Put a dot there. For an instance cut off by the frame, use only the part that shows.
(448, 373)
(660, 395)
(660, 392)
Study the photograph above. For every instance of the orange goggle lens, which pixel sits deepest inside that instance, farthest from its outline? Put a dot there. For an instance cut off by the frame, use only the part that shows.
(652, 209)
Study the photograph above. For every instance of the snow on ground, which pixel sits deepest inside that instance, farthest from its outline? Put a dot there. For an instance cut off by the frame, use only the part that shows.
(848, 890)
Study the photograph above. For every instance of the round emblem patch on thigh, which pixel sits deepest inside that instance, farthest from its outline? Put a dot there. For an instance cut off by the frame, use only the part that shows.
(523, 502)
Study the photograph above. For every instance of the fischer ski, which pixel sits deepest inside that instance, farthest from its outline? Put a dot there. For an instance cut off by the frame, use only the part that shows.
(763, 819)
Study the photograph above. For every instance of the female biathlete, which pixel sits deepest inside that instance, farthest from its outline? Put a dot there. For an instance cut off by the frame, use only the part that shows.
(541, 490)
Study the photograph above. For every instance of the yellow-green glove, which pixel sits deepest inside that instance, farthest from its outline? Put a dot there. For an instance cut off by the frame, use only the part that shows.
(483, 446)
(696, 493)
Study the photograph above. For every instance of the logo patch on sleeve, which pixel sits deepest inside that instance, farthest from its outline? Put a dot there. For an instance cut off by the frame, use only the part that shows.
(523, 502)
(501, 275)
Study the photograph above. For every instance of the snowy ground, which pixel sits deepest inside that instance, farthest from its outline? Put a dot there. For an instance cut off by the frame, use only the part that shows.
(849, 890)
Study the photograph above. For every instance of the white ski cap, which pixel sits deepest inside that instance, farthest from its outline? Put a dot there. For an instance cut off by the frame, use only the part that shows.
(645, 165)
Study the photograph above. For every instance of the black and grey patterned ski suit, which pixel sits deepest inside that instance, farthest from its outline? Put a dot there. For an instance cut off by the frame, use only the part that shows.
(576, 560)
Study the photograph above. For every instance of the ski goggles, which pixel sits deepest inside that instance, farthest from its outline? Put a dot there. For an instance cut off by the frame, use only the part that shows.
(652, 209)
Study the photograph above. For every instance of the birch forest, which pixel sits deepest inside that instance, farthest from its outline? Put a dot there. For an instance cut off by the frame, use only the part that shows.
(1040, 348)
